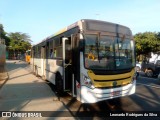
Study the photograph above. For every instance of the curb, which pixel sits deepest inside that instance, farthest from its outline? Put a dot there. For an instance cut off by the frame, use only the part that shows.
(4, 76)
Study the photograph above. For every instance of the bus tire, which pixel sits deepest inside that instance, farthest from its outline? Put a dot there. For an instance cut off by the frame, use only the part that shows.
(59, 84)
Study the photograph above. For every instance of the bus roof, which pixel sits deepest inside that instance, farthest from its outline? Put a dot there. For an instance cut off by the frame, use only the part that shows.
(89, 24)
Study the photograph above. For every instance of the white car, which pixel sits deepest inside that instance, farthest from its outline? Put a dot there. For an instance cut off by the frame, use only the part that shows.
(138, 66)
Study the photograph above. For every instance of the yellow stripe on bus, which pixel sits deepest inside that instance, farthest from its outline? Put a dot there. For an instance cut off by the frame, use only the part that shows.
(108, 80)
(61, 31)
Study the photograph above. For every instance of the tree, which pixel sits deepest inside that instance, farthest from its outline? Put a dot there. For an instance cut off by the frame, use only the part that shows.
(147, 42)
(19, 42)
(3, 35)
(158, 43)
(16, 42)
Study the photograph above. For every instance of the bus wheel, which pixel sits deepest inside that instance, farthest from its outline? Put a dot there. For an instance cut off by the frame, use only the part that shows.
(59, 84)
(149, 73)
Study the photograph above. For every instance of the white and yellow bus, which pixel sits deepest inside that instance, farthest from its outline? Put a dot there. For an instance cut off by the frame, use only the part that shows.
(92, 60)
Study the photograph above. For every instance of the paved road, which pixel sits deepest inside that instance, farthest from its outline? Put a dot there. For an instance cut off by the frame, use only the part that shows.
(3, 74)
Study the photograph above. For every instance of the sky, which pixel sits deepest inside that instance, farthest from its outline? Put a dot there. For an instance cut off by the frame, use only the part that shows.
(42, 18)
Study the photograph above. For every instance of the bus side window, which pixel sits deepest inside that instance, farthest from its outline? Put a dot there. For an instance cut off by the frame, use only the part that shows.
(51, 49)
(68, 54)
(68, 51)
(51, 53)
(47, 50)
(55, 52)
(57, 48)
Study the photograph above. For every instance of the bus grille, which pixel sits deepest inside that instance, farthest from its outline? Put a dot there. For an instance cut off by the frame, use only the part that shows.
(112, 79)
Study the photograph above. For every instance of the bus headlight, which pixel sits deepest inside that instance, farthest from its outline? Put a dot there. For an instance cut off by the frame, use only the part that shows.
(87, 82)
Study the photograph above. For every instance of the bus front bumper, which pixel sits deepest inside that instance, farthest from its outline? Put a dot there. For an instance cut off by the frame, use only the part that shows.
(89, 95)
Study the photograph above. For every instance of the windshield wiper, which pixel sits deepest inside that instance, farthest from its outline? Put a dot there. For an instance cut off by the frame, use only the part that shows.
(97, 46)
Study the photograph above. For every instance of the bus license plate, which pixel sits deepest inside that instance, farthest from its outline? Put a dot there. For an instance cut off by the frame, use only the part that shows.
(115, 93)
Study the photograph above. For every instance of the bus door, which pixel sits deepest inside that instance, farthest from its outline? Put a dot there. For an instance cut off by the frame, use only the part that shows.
(43, 61)
(67, 64)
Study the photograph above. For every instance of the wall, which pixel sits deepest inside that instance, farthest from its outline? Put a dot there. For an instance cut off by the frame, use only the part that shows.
(2, 54)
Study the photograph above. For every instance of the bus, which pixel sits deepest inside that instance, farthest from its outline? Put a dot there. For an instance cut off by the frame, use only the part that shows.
(92, 60)
(28, 56)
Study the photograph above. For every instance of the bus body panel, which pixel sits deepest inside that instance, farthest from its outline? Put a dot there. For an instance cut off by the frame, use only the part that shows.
(46, 68)
(51, 69)
(37, 66)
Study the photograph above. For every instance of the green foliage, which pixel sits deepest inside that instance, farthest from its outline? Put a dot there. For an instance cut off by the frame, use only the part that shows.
(16, 41)
(158, 43)
(19, 41)
(3, 35)
(147, 42)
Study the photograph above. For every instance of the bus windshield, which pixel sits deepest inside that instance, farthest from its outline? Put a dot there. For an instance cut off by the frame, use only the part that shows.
(108, 53)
